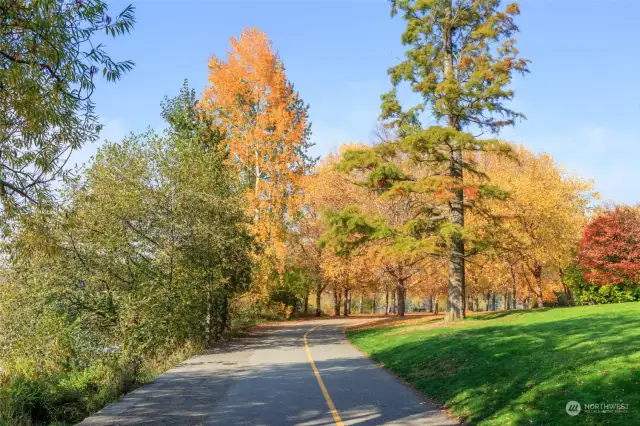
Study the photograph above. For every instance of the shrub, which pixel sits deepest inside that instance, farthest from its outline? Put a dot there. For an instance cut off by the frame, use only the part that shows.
(587, 293)
(593, 294)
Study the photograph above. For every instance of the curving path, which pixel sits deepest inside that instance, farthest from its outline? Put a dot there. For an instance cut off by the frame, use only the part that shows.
(303, 373)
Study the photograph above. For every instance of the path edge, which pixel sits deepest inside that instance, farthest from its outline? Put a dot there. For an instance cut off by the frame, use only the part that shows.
(420, 394)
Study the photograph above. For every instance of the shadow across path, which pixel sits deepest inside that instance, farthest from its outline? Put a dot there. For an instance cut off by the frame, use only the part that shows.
(266, 379)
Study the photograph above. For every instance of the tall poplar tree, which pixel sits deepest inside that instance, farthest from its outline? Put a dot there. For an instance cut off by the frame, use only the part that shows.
(460, 59)
(266, 128)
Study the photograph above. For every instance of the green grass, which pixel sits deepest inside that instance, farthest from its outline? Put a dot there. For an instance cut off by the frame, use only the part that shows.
(521, 367)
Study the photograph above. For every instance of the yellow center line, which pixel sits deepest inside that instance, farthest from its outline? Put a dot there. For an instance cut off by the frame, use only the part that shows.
(323, 388)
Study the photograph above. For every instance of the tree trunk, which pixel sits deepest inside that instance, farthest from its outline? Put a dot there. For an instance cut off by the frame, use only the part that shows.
(256, 211)
(362, 300)
(431, 304)
(435, 308)
(346, 301)
(207, 333)
(456, 296)
(318, 300)
(456, 291)
(537, 274)
(337, 300)
(567, 291)
(373, 303)
(568, 296)
(401, 298)
(386, 309)
(393, 301)
(513, 286)
(493, 301)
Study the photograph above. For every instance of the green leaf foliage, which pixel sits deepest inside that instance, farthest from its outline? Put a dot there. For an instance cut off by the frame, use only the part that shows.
(50, 60)
(460, 59)
(586, 293)
(140, 262)
(349, 229)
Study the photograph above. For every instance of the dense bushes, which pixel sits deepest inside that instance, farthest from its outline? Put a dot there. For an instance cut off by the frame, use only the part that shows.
(594, 294)
(134, 271)
(66, 396)
(607, 265)
(587, 292)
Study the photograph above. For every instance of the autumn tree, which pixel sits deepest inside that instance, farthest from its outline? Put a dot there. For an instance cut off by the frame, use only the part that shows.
(541, 219)
(460, 59)
(334, 270)
(327, 192)
(50, 59)
(266, 128)
(390, 238)
(432, 282)
(367, 284)
(394, 234)
(347, 231)
(306, 255)
(610, 247)
(491, 278)
(323, 189)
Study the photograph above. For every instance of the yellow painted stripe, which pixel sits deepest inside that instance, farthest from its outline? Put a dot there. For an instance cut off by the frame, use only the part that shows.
(323, 388)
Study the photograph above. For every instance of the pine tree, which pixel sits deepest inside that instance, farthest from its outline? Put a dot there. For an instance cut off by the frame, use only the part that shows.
(460, 60)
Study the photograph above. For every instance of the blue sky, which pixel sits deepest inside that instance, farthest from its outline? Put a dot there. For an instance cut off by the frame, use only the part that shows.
(582, 97)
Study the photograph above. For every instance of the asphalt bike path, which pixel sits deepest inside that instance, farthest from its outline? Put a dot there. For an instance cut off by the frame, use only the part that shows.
(299, 373)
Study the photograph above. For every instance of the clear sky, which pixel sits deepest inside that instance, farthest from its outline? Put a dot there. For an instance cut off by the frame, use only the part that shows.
(582, 97)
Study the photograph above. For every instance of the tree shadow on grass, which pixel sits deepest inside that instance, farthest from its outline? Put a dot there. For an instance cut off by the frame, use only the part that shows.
(501, 314)
(525, 373)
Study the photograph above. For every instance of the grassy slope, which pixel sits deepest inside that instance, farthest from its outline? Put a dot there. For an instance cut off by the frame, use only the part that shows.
(521, 367)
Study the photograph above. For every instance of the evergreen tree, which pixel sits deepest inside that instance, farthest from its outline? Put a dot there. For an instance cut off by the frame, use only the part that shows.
(460, 60)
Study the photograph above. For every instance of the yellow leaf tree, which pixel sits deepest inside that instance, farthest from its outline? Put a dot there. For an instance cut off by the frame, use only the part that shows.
(325, 189)
(542, 217)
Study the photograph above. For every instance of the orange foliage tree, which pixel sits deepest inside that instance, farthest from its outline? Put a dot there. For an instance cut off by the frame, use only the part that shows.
(325, 189)
(265, 125)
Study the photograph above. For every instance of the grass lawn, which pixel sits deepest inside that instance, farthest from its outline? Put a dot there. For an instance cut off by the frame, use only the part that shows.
(520, 367)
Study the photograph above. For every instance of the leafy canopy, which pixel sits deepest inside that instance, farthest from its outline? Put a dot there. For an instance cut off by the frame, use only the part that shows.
(266, 129)
(49, 61)
(610, 247)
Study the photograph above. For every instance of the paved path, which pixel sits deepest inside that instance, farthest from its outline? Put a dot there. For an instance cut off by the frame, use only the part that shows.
(270, 379)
